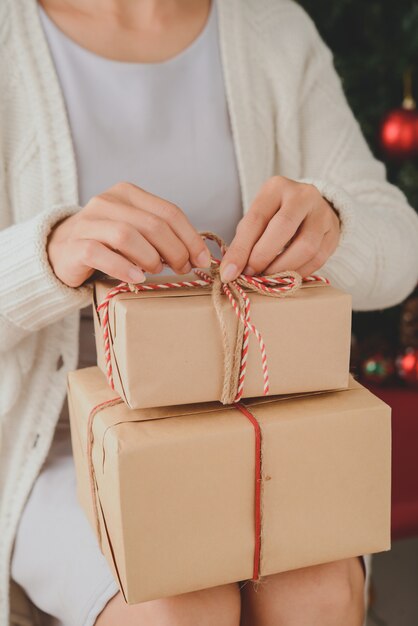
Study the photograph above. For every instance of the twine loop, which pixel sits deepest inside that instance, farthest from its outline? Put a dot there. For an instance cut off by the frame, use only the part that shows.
(278, 285)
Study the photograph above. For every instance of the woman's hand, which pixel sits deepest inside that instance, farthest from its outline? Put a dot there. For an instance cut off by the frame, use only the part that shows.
(123, 232)
(289, 226)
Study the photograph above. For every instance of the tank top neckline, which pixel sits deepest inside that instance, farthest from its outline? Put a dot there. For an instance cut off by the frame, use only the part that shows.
(180, 57)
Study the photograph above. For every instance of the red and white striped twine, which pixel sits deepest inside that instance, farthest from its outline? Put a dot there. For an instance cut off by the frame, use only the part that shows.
(274, 285)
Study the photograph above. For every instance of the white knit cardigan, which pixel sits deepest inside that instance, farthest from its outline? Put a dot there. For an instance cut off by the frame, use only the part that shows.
(288, 116)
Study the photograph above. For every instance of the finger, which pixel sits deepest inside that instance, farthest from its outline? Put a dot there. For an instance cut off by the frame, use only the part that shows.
(154, 229)
(124, 238)
(170, 247)
(197, 249)
(304, 247)
(280, 231)
(251, 227)
(329, 245)
(95, 255)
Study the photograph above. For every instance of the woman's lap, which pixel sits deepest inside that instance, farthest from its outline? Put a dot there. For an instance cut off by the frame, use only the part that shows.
(56, 557)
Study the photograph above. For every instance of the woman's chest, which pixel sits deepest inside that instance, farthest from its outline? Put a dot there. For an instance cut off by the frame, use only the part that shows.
(164, 127)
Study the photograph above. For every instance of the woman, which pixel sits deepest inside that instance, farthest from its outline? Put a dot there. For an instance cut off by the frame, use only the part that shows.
(209, 111)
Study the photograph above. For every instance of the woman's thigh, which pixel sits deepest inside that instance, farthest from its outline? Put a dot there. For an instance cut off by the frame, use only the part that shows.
(218, 606)
(56, 557)
(329, 594)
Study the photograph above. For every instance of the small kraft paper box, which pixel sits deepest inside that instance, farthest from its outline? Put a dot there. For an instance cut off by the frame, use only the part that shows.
(165, 347)
(189, 497)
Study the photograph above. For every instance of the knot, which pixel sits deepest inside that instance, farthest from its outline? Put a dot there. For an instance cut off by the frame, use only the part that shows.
(278, 285)
(215, 267)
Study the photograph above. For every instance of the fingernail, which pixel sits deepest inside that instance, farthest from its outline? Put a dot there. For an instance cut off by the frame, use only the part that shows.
(136, 275)
(229, 273)
(249, 271)
(186, 268)
(203, 260)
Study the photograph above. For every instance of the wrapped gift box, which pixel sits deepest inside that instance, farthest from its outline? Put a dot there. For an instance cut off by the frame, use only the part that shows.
(166, 346)
(173, 496)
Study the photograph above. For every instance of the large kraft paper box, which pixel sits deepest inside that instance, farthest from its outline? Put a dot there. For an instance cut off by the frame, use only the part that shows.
(176, 488)
(166, 346)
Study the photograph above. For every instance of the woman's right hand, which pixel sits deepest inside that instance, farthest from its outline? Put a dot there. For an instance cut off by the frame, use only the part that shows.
(124, 232)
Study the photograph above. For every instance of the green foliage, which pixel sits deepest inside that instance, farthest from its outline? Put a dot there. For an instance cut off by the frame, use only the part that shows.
(373, 42)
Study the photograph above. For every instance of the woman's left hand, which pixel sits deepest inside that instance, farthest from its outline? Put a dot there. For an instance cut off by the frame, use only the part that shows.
(289, 226)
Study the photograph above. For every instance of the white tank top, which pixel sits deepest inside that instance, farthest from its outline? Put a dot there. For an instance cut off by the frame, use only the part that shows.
(163, 126)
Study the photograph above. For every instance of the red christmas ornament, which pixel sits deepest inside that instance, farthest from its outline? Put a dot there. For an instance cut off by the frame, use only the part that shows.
(399, 130)
(407, 366)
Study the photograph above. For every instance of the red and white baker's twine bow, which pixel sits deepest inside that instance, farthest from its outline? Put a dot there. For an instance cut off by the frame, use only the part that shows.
(276, 285)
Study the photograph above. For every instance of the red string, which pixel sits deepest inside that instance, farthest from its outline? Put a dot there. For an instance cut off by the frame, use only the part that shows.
(257, 489)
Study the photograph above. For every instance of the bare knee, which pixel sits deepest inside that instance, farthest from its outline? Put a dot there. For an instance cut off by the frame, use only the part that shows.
(325, 594)
(219, 606)
(337, 593)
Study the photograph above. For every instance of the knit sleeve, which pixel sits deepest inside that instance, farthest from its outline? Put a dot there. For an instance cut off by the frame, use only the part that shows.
(377, 258)
(31, 297)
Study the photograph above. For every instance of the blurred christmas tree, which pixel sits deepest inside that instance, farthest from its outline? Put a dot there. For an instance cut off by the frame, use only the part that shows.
(374, 42)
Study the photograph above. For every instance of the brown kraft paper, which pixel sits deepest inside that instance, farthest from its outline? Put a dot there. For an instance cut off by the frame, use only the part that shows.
(166, 346)
(175, 485)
